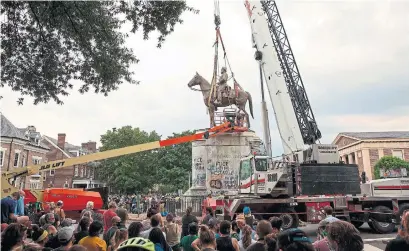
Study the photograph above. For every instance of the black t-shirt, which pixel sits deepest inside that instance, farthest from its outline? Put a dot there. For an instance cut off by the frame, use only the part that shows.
(258, 246)
(397, 245)
(8, 206)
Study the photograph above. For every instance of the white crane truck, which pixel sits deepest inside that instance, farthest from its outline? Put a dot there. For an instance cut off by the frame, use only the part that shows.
(307, 178)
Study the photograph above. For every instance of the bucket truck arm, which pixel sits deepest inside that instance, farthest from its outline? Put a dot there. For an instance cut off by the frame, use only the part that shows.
(8, 189)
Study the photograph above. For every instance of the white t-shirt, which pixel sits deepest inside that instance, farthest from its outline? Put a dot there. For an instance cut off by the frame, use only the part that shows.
(241, 244)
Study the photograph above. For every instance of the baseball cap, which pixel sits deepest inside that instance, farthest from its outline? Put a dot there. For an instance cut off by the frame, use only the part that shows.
(65, 234)
(240, 217)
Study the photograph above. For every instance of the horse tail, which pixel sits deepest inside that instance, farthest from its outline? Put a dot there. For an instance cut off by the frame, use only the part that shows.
(250, 104)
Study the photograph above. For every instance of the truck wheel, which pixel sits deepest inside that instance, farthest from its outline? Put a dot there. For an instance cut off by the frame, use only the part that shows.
(290, 218)
(382, 227)
(357, 224)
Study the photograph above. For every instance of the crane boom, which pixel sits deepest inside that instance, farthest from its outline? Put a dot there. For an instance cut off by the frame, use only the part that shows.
(286, 119)
(7, 188)
(292, 76)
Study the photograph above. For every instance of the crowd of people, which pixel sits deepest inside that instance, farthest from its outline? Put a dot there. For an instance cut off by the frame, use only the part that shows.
(54, 231)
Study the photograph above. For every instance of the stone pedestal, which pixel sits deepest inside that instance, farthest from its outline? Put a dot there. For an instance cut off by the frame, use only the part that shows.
(216, 163)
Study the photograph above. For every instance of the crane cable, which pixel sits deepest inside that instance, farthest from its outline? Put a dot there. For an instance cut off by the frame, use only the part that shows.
(217, 23)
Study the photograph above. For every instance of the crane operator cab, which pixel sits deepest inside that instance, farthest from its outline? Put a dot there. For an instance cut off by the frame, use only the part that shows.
(259, 175)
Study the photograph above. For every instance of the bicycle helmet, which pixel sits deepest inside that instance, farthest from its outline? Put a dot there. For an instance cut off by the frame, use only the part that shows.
(137, 242)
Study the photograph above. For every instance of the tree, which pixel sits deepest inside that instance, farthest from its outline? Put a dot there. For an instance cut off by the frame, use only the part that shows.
(389, 162)
(175, 165)
(129, 173)
(46, 44)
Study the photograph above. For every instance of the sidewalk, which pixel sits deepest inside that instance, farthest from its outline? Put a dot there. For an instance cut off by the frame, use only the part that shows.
(369, 247)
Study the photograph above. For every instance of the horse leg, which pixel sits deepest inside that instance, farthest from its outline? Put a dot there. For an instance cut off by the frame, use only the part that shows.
(243, 108)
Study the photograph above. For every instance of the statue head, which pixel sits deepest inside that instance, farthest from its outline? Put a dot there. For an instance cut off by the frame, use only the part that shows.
(223, 70)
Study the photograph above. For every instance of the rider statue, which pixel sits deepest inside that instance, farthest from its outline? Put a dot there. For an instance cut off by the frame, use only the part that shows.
(222, 85)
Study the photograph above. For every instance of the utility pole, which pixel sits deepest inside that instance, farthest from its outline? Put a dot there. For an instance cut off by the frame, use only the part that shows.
(264, 112)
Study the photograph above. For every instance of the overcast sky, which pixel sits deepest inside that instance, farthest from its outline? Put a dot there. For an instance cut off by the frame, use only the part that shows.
(353, 57)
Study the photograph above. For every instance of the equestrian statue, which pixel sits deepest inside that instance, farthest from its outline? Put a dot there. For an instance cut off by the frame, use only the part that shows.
(226, 96)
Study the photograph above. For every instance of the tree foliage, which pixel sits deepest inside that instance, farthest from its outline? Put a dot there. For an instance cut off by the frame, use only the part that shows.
(45, 44)
(129, 173)
(389, 162)
(175, 165)
(168, 167)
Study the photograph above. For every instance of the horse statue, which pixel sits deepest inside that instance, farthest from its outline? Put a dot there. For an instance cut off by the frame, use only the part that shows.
(239, 100)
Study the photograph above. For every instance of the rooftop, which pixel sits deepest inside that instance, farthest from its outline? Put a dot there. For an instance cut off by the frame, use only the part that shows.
(377, 135)
(8, 130)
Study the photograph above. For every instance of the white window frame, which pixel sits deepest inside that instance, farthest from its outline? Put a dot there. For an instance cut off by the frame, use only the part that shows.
(16, 153)
(44, 175)
(36, 160)
(76, 172)
(82, 172)
(400, 154)
(3, 151)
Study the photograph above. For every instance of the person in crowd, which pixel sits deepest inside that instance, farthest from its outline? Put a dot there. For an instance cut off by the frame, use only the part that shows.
(214, 227)
(77, 248)
(120, 236)
(67, 222)
(225, 242)
(65, 238)
(13, 236)
(8, 209)
(266, 240)
(112, 230)
(186, 242)
(402, 241)
(329, 214)
(83, 226)
(20, 204)
(89, 208)
(187, 219)
(206, 239)
(135, 229)
(147, 222)
(241, 222)
(246, 241)
(322, 243)
(235, 230)
(155, 223)
(295, 239)
(276, 224)
(59, 211)
(343, 235)
(172, 232)
(209, 215)
(108, 215)
(40, 236)
(248, 217)
(52, 242)
(156, 236)
(93, 242)
(123, 214)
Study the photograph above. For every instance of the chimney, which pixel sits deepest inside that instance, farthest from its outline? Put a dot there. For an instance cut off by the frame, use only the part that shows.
(91, 146)
(61, 140)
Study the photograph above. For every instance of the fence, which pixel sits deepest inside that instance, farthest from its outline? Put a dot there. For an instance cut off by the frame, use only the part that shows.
(178, 206)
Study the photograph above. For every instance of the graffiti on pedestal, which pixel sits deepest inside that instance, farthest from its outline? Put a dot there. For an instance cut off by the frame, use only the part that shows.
(222, 175)
(198, 164)
(200, 180)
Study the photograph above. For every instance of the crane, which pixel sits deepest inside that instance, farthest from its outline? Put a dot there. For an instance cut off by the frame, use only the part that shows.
(294, 116)
(7, 189)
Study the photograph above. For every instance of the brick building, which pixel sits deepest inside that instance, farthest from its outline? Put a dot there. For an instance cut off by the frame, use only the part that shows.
(366, 148)
(78, 176)
(21, 147)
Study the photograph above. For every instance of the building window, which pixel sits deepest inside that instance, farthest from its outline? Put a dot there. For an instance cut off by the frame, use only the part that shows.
(44, 176)
(36, 160)
(16, 158)
(82, 172)
(2, 152)
(76, 171)
(397, 153)
(52, 172)
(24, 162)
(66, 184)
